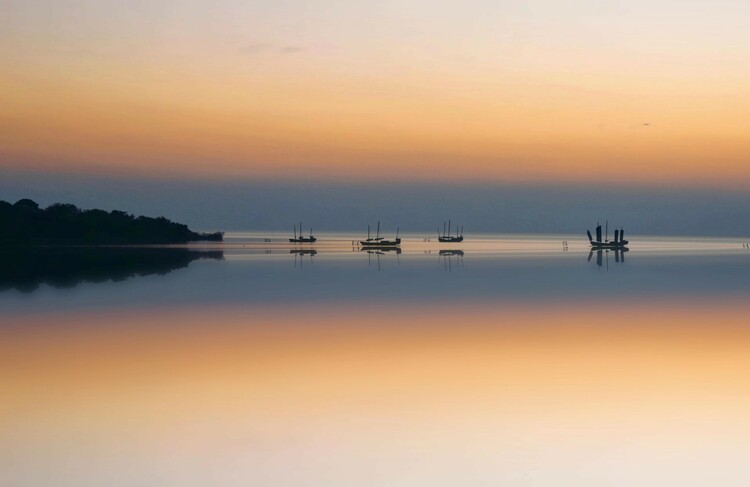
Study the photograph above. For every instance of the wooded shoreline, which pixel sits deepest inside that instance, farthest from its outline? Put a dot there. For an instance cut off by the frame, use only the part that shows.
(24, 223)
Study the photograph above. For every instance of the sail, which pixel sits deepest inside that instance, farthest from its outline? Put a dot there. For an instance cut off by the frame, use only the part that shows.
(598, 233)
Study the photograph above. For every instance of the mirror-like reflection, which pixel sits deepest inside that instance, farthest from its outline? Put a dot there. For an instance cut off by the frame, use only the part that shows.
(451, 258)
(243, 271)
(25, 269)
(451, 252)
(373, 255)
(303, 251)
(381, 250)
(300, 255)
(504, 360)
(602, 256)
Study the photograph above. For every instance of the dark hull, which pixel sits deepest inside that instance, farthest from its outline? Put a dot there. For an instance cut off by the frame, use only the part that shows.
(450, 239)
(303, 240)
(609, 245)
(380, 243)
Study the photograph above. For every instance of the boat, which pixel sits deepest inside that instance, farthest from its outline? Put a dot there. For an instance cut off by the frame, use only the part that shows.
(301, 238)
(447, 237)
(618, 243)
(379, 241)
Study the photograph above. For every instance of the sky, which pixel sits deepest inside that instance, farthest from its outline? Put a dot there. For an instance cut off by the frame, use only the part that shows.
(652, 95)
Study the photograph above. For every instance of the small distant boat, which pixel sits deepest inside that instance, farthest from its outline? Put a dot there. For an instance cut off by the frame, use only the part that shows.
(446, 237)
(301, 238)
(379, 241)
(618, 243)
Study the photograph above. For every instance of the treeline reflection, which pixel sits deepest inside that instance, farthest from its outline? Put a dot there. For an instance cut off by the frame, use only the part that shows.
(25, 269)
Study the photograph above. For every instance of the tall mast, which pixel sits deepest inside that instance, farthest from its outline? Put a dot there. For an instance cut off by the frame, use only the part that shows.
(377, 234)
(449, 227)
(368, 232)
(606, 230)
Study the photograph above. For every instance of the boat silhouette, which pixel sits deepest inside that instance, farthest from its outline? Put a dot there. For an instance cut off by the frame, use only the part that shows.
(301, 238)
(447, 237)
(379, 241)
(618, 243)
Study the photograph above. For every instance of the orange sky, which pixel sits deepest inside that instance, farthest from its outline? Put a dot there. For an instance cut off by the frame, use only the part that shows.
(525, 91)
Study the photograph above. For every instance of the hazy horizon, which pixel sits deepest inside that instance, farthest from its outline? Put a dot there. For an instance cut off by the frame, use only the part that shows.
(413, 206)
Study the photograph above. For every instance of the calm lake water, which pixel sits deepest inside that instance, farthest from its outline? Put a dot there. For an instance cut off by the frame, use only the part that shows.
(503, 360)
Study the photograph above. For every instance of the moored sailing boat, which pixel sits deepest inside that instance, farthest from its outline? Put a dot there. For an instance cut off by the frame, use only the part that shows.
(617, 243)
(447, 237)
(301, 238)
(379, 241)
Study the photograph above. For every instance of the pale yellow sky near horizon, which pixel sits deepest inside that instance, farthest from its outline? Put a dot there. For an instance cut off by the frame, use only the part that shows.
(653, 92)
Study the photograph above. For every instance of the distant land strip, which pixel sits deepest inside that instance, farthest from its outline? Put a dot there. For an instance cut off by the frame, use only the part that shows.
(25, 223)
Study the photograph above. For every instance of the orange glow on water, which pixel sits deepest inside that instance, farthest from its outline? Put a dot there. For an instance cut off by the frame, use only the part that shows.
(555, 384)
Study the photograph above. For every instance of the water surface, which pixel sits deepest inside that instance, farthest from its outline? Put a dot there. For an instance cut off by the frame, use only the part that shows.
(504, 360)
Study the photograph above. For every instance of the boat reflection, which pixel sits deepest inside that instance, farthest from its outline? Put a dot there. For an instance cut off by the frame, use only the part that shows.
(450, 258)
(377, 252)
(602, 256)
(381, 250)
(302, 253)
(451, 252)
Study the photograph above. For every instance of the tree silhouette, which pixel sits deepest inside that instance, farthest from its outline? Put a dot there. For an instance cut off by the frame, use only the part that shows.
(25, 223)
